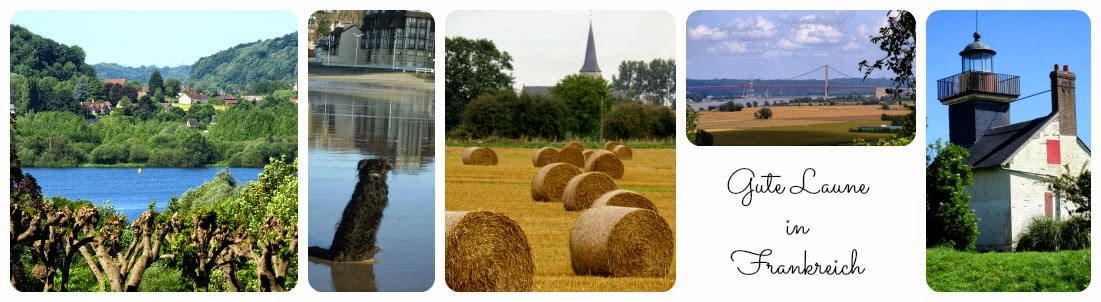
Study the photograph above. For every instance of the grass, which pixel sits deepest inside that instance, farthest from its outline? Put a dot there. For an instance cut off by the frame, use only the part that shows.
(669, 143)
(506, 188)
(802, 135)
(948, 270)
(187, 107)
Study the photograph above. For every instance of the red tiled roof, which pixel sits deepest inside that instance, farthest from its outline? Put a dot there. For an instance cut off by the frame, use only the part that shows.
(115, 81)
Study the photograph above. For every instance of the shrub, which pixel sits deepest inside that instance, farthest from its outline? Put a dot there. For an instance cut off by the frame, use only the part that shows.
(485, 116)
(1049, 235)
(704, 138)
(949, 219)
(763, 114)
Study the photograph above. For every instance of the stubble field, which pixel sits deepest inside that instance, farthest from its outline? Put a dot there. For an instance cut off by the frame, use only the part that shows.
(796, 125)
(506, 189)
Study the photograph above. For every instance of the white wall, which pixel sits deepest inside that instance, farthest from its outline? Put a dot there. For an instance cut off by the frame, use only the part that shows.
(990, 196)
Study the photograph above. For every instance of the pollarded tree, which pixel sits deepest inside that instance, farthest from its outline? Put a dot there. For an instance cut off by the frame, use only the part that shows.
(586, 98)
(117, 257)
(266, 216)
(474, 68)
(949, 219)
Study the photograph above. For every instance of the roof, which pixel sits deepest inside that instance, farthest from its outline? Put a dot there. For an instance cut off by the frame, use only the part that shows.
(196, 96)
(536, 90)
(999, 144)
(977, 47)
(143, 89)
(114, 81)
(166, 106)
(590, 54)
(230, 101)
(192, 122)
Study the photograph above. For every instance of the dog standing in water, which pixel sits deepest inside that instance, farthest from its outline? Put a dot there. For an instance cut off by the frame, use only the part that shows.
(357, 231)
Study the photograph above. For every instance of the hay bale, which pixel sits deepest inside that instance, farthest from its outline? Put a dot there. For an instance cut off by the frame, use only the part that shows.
(625, 198)
(479, 156)
(572, 156)
(550, 182)
(544, 156)
(588, 153)
(605, 162)
(585, 188)
(623, 152)
(486, 251)
(610, 145)
(621, 242)
(575, 145)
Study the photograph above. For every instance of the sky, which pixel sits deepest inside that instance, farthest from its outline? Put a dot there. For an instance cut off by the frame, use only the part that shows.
(1028, 44)
(162, 38)
(549, 45)
(780, 44)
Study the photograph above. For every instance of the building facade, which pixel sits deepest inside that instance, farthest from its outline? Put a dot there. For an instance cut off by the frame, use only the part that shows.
(399, 39)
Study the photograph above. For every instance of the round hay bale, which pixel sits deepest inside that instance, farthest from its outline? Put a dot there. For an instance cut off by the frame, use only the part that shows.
(550, 182)
(623, 152)
(572, 156)
(585, 188)
(610, 145)
(486, 252)
(605, 162)
(575, 145)
(621, 242)
(544, 156)
(479, 156)
(588, 153)
(624, 198)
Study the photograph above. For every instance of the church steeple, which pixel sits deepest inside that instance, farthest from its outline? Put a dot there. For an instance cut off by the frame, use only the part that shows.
(590, 67)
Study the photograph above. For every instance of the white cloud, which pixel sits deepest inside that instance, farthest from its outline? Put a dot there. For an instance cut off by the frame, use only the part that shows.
(863, 31)
(808, 19)
(755, 28)
(777, 53)
(705, 32)
(784, 43)
(852, 45)
(815, 34)
(735, 47)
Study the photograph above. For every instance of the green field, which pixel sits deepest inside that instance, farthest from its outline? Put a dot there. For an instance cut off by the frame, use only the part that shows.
(948, 270)
(187, 107)
(836, 134)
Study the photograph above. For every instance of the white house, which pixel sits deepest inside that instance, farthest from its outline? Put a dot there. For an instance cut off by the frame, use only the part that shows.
(346, 48)
(192, 98)
(1011, 161)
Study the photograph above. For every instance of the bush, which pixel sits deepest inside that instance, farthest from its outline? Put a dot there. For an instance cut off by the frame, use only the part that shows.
(763, 114)
(704, 138)
(631, 119)
(949, 219)
(1049, 235)
(485, 116)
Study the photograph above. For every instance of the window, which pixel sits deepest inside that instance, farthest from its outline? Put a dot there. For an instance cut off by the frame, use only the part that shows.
(1053, 154)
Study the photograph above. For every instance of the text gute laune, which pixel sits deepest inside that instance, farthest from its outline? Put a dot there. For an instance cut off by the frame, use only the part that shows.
(745, 182)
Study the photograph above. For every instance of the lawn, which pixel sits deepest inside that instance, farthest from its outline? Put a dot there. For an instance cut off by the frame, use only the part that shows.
(801, 135)
(506, 189)
(948, 270)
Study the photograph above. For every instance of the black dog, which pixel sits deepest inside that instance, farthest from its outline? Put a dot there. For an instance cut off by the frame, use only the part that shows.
(357, 231)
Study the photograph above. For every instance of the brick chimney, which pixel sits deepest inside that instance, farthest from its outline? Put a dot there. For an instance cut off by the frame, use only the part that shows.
(1063, 100)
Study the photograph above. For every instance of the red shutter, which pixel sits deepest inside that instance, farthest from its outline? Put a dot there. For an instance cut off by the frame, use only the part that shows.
(1048, 205)
(1053, 154)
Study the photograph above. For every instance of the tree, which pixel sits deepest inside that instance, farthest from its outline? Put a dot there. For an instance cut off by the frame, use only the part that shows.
(486, 116)
(586, 98)
(949, 219)
(156, 83)
(898, 42)
(119, 258)
(1074, 189)
(474, 68)
(201, 112)
(267, 215)
(655, 81)
(763, 114)
(95, 90)
(691, 122)
(171, 87)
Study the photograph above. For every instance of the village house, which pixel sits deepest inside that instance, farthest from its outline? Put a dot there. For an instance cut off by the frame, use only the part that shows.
(95, 108)
(192, 98)
(143, 91)
(252, 98)
(115, 81)
(192, 123)
(1010, 161)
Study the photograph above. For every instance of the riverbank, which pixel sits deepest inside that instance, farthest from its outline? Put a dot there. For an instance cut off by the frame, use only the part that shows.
(318, 72)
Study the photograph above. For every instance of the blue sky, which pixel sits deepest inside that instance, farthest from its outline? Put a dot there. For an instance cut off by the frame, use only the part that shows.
(780, 44)
(1028, 43)
(162, 38)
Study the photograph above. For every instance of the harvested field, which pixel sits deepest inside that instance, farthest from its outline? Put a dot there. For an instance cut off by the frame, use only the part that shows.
(796, 125)
(504, 189)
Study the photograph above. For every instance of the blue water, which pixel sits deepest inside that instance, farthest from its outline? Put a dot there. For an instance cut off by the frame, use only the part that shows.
(345, 129)
(124, 188)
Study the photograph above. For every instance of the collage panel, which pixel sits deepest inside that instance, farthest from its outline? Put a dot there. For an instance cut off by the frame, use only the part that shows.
(801, 78)
(371, 150)
(561, 155)
(147, 165)
(1008, 158)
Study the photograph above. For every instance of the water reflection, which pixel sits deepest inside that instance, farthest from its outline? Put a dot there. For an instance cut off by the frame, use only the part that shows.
(353, 121)
(391, 122)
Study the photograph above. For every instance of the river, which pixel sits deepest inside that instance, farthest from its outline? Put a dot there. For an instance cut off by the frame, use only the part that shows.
(352, 121)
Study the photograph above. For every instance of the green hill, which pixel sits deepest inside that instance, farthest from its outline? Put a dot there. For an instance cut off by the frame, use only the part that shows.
(141, 73)
(244, 65)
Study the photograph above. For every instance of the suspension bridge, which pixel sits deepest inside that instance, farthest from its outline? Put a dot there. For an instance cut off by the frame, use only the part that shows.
(749, 89)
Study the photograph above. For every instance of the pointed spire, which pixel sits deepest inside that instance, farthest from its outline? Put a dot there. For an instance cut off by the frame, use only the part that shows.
(590, 67)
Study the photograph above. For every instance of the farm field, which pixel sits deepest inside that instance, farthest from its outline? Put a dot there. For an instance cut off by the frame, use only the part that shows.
(506, 189)
(948, 270)
(187, 107)
(795, 125)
